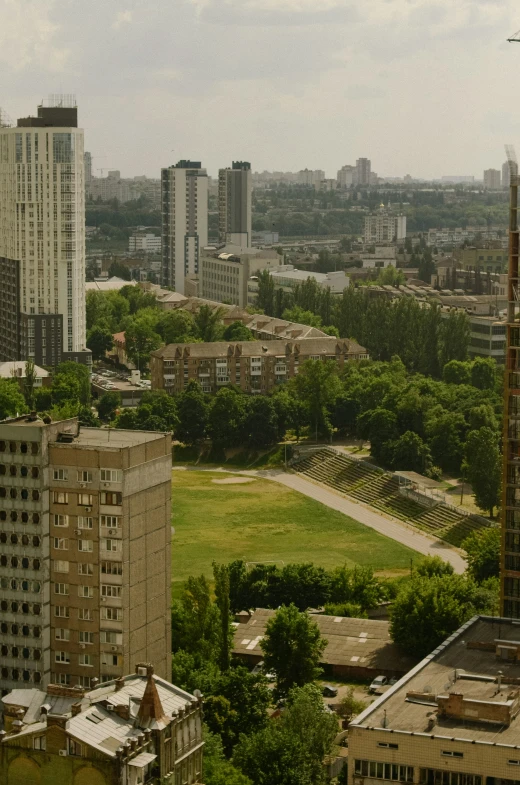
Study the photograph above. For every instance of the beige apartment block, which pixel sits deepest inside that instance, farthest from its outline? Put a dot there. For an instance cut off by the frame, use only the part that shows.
(454, 719)
(254, 366)
(85, 563)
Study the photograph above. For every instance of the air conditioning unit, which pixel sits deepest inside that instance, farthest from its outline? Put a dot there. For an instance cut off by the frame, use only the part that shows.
(88, 509)
(63, 753)
(103, 599)
(106, 484)
(110, 707)
(113, 648)
(81, 645)
(112, 531)
(82, 484)
(77, 531)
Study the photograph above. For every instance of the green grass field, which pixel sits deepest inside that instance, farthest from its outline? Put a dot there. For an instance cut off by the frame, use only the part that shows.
(264, 521)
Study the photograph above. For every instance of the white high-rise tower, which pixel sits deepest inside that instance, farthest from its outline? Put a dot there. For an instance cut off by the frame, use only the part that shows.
(42, 235)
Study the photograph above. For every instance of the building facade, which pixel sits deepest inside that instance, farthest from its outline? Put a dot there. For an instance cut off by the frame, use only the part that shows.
(145, 242)
(254, 366)
(225, 274)
(492, 179)
(134, 730)
(384, 227)
(184, 204)
(235, 205)
(346, 176)
(85, 533)
(363, 171)
(42, 226)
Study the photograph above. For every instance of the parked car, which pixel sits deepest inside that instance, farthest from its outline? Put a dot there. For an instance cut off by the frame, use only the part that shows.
(329, 691)
(260, 668)
(379, 681)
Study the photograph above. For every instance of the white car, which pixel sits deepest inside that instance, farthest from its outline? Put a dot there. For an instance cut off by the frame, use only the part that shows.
(379, 681)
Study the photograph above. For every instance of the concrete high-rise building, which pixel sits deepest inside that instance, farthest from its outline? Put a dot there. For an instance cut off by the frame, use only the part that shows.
(506, 173)
(42, 234)
(184, 203)
(85, 552)
(363, 168)
(384, 227)
(346, 176)
(492, 179)
(234, 204)
(88, 167)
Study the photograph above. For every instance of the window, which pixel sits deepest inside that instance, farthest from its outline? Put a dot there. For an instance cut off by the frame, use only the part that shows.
(388, 745)
(61, 588)
(452, 754)
(111, 545)
(86, 637)
(86, 592)
(61, 520)
(86, 660)
(85, 614)
(60, 474)
(384, 771)
(62, 678)
(62, 656)
(109, 590)
(85, 523)
(107, 636)
(60, 543)
(111, 498)
(440, 777)
(112, 567)
(62, 634)
(61, 566)
(111, 521)
(84, 476)
(61, 611)
(112, 614)
(84, 681)
(39, 743)
(111, 475)
(60, 497)
(85, 499)
(110, 659)
(85, 569)
(73, 746)
(86, 546)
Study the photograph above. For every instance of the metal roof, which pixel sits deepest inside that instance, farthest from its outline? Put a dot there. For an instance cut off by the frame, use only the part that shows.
(142, 760)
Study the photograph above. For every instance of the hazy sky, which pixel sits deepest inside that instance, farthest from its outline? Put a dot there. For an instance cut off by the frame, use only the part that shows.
(419, 86)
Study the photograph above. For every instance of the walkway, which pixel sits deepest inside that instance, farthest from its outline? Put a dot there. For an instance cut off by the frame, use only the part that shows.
(406, 535)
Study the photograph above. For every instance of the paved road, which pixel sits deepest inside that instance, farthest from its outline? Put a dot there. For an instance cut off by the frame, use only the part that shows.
(400, 532)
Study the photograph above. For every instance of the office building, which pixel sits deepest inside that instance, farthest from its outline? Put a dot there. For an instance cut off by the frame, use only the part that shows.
(85, 552)
(492, 179)
(184, 204)
(454, 719)
(136, 729)
(234, 204)
(225, 274)
(254, 366)
(42, 235)
(144, 242)
(362, 174)
(384, 227)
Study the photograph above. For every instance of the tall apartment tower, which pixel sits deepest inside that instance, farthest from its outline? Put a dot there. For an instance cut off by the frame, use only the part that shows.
(88, 167)
(363, 168)
(85, 552)
(492, 180)
(42, 235)
(234, 204)
(184, 204)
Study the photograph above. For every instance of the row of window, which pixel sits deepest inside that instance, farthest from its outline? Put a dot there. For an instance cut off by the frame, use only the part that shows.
(83, 475)
(86, 637)
(383, 771)
(85, 568)
(21, 607)
(87, 592)
(16, 585)
(87, 660)
(20, 629)
(74, 747)
(23, 471)
(25, 448)
(438, 777)
(18, 674)
(87, 522)
(86, 546)
(20, 651)
(22, 493)
(24, 517)
(86, 614)
(20, 539)
(110, 498)
(20, 562)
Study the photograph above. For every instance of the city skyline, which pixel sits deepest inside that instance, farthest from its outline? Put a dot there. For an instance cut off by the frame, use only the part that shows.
(336, 70)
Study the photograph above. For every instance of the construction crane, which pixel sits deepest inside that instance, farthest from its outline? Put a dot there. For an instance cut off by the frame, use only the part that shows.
(515, 37)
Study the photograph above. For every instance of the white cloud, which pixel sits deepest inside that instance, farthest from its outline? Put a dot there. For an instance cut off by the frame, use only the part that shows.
(122, 18)
(28, 35)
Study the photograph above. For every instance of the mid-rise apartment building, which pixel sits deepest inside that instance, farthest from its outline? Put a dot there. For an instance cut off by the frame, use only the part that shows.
(346, 176)
(492, 179)
(225, 274)
(85, 543)
(363, 172)
(485, 260)
(454, 719)
(235, 204)
(254, 366)
(42, 236)
(146, 242)
(184, 204)
(384, 227)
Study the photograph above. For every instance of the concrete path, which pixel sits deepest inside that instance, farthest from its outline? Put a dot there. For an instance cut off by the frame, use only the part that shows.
(391, 527)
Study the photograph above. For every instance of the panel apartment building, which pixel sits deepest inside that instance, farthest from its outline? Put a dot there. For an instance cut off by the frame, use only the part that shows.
(235, 204)
(184, 205)
(85, 552)
(42, 237)
(254, 366)
(384, 227)
(225, 274)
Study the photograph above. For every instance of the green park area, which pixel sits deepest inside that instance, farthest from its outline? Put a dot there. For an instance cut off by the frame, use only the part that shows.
(218, 517)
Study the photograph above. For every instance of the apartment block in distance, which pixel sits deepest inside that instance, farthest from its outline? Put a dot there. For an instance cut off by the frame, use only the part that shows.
(235, 205)
(136, 729)
(42, 236)
(492, 179)
(184, 205)
(454, 719)
(254, 366)
(384, 227)
(225, 273)
(85, 542)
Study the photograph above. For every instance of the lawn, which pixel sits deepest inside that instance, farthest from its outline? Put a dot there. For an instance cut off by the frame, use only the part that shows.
(264, 521)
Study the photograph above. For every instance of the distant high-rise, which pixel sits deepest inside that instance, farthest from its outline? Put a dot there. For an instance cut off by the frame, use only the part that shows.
(492, 179)
(384, 227)
(234, 204)
(346, 176)
(363, 168)
(506, 175)
(184, 203)
(42, 236)
(88, 167)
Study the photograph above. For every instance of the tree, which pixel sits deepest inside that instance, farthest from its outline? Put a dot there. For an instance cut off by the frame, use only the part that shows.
(79, 372)
(457, 372)
(261, 422)
(195, 621)
(300, 316)
(176, 327)
(237, 331)
(221, 577)
(65, 389)
(482, 467)
(12, 401)
(349, 706)
(318, 386)
(29, 383)
(483, 553)
(432, 566)
(108, 405)
(216, 769)
(119, 270)
(157, 411)
(379, 426)
(193, 414)
(208, 323)
(99, 341)
(446, 432)
(454, 337)
(482, 416)
(265, 296)
(410, 453)
(140, 341)
(391, 276)
(227, 417)
(292, 647)
(483, 373)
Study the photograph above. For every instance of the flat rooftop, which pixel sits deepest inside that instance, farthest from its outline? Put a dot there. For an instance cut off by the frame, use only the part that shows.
(468, 688)
(112, 437)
